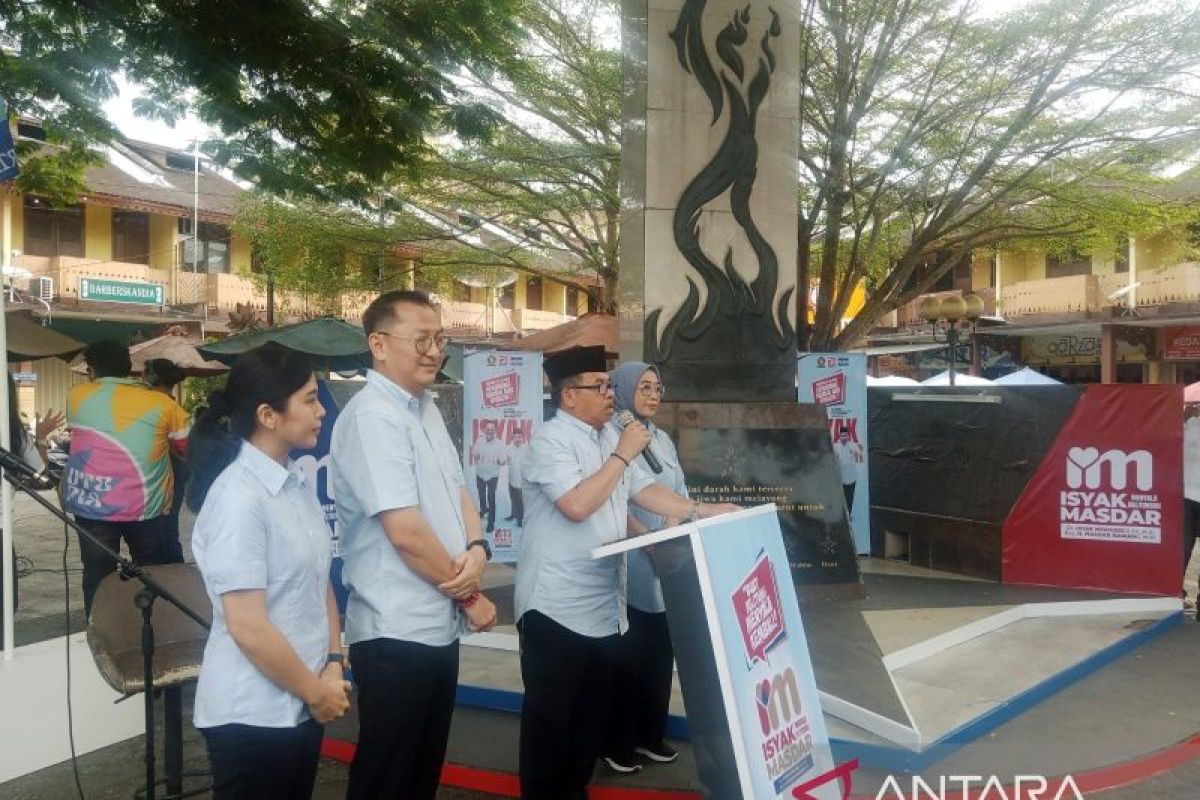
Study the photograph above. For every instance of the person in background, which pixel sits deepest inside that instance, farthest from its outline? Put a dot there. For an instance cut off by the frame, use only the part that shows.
(849, 456)
(645, 659)
(118, 481)
(32, 450)
(163, 375)
(272, 669)
(414, 553)
(488, 455)
(516, 453)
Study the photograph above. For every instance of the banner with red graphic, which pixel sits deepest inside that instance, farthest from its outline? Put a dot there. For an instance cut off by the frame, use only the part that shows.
(781, 745)
(1104, 509)
(838, 382)
(502, 409)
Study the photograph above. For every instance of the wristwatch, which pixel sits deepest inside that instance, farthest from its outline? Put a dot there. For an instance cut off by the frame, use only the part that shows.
(335, 658)
(487, 548)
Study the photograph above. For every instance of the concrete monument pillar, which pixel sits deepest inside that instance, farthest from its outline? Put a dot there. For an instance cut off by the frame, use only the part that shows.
(709, 195)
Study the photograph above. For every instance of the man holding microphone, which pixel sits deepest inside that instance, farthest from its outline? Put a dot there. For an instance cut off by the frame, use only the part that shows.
(570, 607)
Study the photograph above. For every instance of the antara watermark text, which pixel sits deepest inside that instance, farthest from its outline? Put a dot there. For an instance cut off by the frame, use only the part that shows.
(979, 787)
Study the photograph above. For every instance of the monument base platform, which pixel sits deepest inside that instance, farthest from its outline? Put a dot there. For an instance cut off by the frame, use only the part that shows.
(925, 665)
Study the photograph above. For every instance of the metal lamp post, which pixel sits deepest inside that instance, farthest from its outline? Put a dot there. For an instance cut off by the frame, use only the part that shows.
(945, 314)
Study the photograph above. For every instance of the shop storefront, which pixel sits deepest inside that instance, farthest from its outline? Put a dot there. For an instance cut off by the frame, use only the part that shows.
(1181, 351)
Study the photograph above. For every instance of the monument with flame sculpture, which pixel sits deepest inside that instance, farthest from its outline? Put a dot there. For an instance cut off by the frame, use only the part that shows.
(708, 264)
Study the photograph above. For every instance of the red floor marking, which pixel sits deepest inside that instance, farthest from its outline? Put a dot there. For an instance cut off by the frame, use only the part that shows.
(505, 784)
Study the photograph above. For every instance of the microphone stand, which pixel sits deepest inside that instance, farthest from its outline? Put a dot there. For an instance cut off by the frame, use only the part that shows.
(144, 601)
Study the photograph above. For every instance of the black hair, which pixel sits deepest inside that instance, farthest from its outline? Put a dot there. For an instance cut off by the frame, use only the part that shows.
(108, 358)
(269, 374)
(382, 311)
(162, 372)
(17, 433)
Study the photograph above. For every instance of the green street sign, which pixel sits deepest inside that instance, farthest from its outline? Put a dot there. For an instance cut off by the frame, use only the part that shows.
(146, 294)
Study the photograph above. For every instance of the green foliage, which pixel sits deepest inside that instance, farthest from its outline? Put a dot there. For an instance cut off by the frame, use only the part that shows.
(196, 390)
(929, 132)
(319, 98)
(318, 252)
(549, 168)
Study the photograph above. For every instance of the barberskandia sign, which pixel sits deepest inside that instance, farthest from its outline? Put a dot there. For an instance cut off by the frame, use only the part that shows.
(106, 291)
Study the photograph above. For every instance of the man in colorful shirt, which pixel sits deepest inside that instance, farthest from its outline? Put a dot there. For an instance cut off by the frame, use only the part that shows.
(118, 480)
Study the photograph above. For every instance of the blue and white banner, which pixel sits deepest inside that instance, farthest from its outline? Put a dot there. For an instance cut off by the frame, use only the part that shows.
(778, 731)
(8, 152)
(502, 410)
(838, 381)
(315, 463)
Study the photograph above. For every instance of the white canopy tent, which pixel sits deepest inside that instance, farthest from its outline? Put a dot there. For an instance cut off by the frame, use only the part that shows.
(960, 379)
(891, 380)
(1027, 377)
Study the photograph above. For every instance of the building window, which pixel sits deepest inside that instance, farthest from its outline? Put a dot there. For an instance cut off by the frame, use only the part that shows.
(52, 231)
(1121, 256)
(533, 294)
(573, 300)
(1071, 263)
(508, 295)
(208, 252)
(131, 236)
(461, 293)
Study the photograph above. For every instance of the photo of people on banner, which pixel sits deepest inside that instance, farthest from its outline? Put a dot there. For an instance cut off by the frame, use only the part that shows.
(502, 410)
(838, 381)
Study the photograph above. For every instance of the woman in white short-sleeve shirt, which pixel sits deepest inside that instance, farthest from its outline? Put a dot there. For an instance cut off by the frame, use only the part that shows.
(272, 670)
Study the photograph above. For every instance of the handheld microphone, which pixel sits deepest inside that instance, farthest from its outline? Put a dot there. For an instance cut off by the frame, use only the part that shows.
(18, 472)
(623, 420)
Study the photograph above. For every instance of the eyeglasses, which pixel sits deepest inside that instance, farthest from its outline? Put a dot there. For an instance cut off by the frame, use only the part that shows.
(652, 390)
(422, 343)
(602, 388)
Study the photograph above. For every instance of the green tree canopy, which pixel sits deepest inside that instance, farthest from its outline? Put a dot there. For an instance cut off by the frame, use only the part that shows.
(322, 98)
(928, 132)
(548, 171)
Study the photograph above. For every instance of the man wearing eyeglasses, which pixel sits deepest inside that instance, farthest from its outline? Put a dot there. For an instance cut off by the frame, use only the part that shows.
(570, 607)
(414, 553)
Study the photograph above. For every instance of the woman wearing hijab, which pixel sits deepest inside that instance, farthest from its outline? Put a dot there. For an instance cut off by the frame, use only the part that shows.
(646, 661)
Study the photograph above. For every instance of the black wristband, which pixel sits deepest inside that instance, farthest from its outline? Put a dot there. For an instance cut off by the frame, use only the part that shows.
(623, 459)
(335, 658)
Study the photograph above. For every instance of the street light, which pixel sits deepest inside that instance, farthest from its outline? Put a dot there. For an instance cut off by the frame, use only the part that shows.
(945, 314)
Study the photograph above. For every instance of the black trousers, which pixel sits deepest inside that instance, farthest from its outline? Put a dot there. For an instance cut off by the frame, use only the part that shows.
(848, 491)
(149, 541)
(405, 699)
(642, 694)
(568, 694)
(517, 501)
(253, 763)
(487, 499)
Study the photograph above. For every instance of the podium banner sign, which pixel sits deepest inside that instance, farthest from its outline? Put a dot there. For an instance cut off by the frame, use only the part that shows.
(502, 410)
(838, 382)
(763, 664)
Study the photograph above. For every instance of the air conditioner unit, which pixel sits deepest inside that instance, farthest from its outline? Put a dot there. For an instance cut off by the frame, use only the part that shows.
(42, 287)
